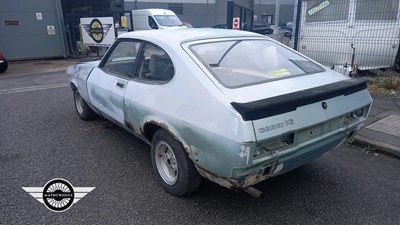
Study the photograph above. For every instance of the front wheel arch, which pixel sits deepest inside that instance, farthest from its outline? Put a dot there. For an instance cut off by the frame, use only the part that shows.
(73, 86)
(82, 108)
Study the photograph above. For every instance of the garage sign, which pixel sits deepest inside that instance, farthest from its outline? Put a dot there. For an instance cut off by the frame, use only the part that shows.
(236, 22)
(98, 31)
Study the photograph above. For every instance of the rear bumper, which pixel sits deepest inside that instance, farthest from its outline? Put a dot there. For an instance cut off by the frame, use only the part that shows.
(282, 162)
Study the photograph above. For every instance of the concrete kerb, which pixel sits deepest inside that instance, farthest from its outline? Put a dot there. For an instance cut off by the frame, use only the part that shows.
(381, 147)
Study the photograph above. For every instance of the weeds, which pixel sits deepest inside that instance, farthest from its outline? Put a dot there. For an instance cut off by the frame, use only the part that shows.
(383, 82)
(350, 141)
(369, 149)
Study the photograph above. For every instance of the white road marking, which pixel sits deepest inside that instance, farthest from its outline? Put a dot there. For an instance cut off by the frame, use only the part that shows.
(32, 88)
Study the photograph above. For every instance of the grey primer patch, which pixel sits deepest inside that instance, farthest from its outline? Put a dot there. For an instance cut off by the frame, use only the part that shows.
(388, 125)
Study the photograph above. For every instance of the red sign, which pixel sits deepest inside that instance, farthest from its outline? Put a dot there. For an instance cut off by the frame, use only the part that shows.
(236, 22)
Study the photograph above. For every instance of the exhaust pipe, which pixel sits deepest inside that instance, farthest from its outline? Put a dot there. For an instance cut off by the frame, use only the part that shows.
(253, 192)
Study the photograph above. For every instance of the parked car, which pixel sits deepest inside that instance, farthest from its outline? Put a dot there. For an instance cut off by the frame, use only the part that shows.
(283, 31)
(258, 27)
(220, 26)
(3, 63)
(232, 106)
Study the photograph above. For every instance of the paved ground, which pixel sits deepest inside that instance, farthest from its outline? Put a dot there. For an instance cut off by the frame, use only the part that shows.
(382, 129)
(28, 67)
(41, 138)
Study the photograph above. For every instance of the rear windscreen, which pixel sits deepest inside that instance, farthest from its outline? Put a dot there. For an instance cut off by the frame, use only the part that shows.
(245, 62)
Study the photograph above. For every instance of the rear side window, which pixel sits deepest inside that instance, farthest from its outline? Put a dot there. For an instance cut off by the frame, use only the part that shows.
(155, 64)
(327, 10)
(245, 62)
(122, 58)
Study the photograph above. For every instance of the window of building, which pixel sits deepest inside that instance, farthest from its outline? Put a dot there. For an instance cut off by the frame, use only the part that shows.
(177, 8)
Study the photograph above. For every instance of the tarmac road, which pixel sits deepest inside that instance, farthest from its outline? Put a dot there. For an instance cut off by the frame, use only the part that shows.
(42, 138)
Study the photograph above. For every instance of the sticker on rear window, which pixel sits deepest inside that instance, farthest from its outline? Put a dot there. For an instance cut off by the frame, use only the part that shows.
(278, 73)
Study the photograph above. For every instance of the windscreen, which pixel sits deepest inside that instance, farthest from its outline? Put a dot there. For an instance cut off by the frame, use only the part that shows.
(168, 20)
(245, 62)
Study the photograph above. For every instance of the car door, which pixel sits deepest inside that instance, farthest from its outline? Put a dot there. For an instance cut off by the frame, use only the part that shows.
(147, 91)
(108, 82)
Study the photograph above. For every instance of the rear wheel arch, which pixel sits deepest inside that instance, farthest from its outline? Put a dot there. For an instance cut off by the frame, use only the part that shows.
(150, 128)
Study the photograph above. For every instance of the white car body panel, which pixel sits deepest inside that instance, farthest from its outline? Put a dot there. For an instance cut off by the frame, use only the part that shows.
(200, 112)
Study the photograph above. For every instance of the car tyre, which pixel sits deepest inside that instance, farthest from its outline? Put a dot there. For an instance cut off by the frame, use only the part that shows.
(174, 170)
(4, 66)
(82, 108)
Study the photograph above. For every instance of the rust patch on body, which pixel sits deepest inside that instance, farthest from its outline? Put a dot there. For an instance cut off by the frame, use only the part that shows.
(229, 183)
(129, 125)
(223, 181)
(253, 179)
(162, 125)
(166, 128)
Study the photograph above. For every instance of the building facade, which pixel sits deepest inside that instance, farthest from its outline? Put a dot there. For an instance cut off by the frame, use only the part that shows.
(32, 30)
(50, 28)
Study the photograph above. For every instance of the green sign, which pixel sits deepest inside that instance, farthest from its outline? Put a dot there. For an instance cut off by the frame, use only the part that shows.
(318, 7)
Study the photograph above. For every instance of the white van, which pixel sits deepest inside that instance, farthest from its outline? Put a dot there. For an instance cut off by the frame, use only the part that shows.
(148, 19)
(332, 31)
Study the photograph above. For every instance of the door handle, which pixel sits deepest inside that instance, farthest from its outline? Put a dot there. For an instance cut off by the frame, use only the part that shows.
(121, 85)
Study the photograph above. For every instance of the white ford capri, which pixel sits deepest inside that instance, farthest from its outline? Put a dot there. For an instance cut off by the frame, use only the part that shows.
(234, 107)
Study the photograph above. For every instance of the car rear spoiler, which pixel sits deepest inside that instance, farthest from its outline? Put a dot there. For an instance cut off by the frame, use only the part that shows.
(289, 102)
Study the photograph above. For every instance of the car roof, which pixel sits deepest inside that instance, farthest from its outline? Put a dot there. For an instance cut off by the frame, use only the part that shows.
(179, 36)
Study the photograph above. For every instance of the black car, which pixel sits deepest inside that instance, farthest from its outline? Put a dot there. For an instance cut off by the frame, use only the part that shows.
(259, 27)
(3, 63)
(220, 26)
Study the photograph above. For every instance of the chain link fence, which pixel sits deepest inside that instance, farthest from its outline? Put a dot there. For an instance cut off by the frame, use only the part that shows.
(358, 38)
